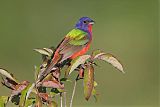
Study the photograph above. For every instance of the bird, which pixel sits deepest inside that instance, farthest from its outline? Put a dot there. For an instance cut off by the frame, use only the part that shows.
(75, 43)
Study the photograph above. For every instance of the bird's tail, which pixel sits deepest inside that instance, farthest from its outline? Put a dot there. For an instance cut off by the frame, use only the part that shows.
(44, 73)
(49, 68)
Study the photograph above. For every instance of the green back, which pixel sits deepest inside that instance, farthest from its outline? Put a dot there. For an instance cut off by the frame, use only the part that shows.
(78, 37)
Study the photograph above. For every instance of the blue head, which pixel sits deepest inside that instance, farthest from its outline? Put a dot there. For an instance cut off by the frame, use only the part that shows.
(84, 23)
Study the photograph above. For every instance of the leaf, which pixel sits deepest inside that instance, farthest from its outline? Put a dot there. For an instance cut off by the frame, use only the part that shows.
(3, 101)
(56, 73)
(30, 90)
(65, 80)
(38, 101)
(54, 91)
(76, 62)
(95, 84)
(52, 84)
(95, 95)
(81, 73)
(96, 53)
(37, 70)
(9, 83)
(49, 50)
(15, 99)
(52, 104)
(18, 88)
(44, 51)
(23, 96)
(88, 81)
(45, 96)
(30, 102)
(7, 74)
(42, 89)
(112, 60)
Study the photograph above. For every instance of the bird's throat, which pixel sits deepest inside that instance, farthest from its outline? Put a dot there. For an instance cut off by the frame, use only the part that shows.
(90, 28)
(90, 31)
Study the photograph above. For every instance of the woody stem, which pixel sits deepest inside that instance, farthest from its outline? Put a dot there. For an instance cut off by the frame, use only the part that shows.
(73, 92)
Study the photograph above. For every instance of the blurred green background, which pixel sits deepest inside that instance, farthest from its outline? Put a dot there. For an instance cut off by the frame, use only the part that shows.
(126, 28)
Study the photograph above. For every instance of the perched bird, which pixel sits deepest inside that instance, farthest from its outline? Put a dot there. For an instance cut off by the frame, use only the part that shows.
(75, 43)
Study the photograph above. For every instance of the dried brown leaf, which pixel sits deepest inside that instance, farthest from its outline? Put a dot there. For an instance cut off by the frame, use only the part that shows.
(88, 81)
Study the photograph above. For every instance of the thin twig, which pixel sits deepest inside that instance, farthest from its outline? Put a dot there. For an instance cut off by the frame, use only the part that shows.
(65, 99)
(61, 99)
(73, 93)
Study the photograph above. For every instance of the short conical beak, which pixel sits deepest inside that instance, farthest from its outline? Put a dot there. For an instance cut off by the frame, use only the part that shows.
(92, 22)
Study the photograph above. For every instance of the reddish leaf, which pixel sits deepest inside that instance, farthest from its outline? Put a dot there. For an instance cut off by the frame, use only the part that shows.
(81, 72)
(56, 74)
(20, 87)
(88, 81)
(44, 96)
(52, 84)
(8, 83)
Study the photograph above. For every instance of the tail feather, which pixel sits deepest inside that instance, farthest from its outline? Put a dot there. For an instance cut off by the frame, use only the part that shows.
(49, 68)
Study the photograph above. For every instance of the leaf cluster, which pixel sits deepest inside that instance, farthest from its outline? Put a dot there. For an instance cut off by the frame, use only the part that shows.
(26, 94)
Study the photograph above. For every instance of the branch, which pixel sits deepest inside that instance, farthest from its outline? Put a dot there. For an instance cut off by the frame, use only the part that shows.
(73, 93)
(65, 99)
(61, 99)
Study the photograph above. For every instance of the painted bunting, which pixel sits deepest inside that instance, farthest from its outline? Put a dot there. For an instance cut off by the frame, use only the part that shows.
(75, 43)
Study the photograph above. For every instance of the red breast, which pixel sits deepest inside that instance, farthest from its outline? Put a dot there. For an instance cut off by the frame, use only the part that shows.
(83, 51)
(86, 48)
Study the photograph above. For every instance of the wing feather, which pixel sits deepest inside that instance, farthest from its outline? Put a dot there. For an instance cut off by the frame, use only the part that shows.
(75, 41)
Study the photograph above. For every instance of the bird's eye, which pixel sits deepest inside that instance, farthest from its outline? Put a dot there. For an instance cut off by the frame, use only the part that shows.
(84, 21)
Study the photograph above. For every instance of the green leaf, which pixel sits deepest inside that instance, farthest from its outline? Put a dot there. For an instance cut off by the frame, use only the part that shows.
(88, 81)
(8, 75)
(65, 80)
(44, 51)
(37, 70)
(23, 96)
(42, 89)
(53, 104)
(112, 60)
(95, 95)
(30, 102)
(54, 92)
(3, 101)
(15, 99)
(95, 84)
(76, 62)
(30, 89)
